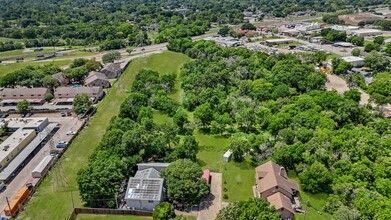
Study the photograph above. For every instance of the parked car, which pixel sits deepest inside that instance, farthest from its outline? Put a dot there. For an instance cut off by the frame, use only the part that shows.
(61, 144)
(71, 133)
(69, 113)
(63, 114)
(29, 114)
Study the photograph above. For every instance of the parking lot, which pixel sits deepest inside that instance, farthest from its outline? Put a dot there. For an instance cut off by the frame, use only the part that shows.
(71, 123)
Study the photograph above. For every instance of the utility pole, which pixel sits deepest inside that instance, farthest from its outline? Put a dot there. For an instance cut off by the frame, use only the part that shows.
(9, 207)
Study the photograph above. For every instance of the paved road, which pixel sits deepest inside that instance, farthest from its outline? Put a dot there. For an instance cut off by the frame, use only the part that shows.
(337, 83)
(67, 123)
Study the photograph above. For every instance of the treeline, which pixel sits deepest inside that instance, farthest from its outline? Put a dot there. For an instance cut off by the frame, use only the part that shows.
(276, 106)
(129, 22)
(133, 137)
(10, 45)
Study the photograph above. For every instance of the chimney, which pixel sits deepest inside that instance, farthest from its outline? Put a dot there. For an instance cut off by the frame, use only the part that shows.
(282, 173)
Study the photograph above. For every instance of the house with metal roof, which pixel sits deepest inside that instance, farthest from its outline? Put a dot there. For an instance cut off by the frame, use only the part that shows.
(145, 190)
(273, 185)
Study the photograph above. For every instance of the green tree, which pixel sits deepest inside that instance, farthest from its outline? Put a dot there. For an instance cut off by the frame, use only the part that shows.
(356, 52)
(346, 213)
(376, 61)
(254, 208)
(379, 40)
(204, 114)
(388, 48)
(111, 57)
(93, 65)
(319, 57)
(248, 26)
(78, 62)
(224, 31)
(129, 50)
(316, 178)
(371, 46)
(180, 118)
(353, 94)
(81, 103)
(184, 182)
(23, 107)
(187, 150)
(164, 211)
(49, 97)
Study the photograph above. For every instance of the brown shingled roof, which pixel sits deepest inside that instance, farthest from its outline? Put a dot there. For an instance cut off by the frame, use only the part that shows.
(279, 200)
(270, 175)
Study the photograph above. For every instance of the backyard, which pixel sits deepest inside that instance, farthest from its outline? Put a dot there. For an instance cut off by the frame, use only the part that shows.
(53, 198)
(315, 201)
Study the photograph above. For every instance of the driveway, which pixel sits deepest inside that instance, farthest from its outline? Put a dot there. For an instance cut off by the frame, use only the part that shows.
(214, 202)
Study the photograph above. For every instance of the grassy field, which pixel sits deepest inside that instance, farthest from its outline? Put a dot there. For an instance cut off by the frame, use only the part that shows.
(10, 67)
(111, 217)
(118, 217)
(52, 199)
(316, 203)
(20, 52)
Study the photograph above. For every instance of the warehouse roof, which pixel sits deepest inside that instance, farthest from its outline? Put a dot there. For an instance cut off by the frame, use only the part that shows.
(22, 156)
(350, 59)
(13, 142)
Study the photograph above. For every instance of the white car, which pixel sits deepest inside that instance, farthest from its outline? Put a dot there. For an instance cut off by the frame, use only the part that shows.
(71, 133)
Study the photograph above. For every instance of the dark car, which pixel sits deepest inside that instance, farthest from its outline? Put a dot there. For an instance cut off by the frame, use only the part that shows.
(63, 114)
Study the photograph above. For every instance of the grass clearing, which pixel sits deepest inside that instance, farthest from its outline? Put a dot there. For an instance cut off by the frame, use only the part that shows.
(21, 52)
(111, 217)
(316, 202)
(6, 68)
(119, 217)
(52, 199)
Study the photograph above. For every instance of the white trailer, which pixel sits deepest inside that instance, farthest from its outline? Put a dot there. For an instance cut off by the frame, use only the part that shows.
(42, 167)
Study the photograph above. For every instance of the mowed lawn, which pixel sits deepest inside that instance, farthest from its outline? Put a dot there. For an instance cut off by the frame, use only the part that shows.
(118, 217)
(111, 217)
(315, 201)
(6, 68)
(53, 198)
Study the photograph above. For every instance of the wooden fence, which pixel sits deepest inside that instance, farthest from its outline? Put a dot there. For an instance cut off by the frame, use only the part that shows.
(101, 211)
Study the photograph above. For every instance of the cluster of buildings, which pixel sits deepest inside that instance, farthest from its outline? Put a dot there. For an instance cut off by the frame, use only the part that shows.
(94, 85)
(295, 28)
(26, 139)
(225, 41)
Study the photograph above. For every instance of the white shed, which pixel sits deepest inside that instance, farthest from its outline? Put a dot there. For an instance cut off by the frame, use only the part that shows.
(227, 156)
(42, 167)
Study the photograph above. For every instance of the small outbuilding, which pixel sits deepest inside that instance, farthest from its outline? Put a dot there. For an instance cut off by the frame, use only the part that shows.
(355, 61)
(227, 156)
(206, 175)
(42, 167)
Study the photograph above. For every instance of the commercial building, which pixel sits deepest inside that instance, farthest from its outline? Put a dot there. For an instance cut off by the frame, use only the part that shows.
(225, 41)
(11, 96)
(355, 61)
(290, 32)
(355, 19)
(273, 185)
(65, 95)
(145, 190)
(97, 79)
(308, 27)
(37, 124)
(347, 29)
(366, 32)
(279, 41)
(15, 143)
